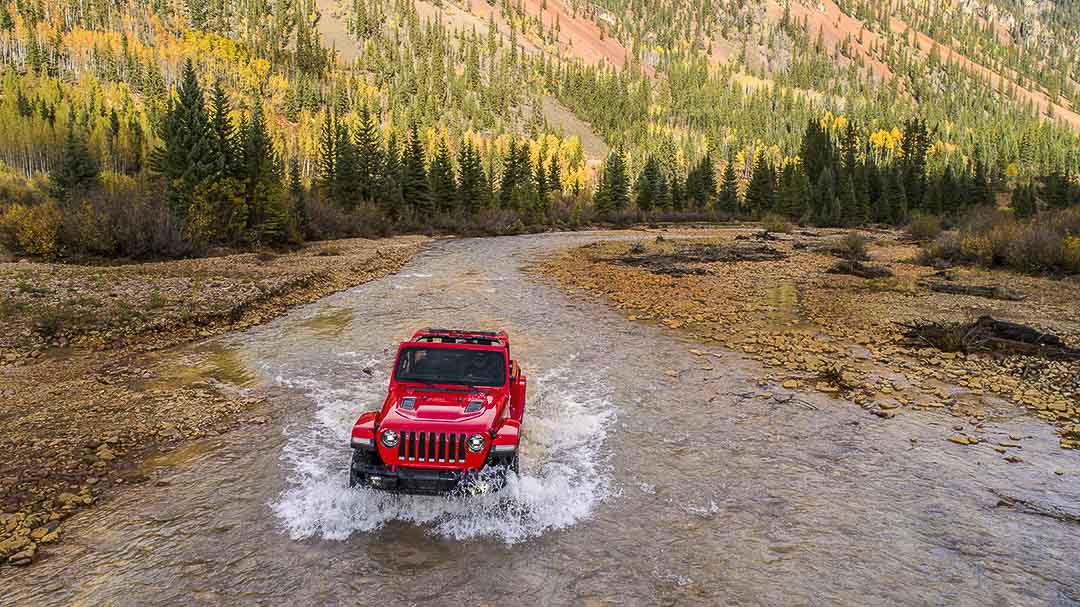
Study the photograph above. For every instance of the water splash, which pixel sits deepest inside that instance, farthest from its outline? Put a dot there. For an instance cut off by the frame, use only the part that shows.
(564, 470)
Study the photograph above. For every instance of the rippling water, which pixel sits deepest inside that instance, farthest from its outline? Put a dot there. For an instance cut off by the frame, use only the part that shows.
(646, 478)
(562, 480)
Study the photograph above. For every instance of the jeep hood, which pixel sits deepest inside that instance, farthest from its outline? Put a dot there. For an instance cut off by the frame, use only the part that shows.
(438, 405)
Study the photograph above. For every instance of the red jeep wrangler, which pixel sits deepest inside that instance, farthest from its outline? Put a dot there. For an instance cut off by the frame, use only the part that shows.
(451, 419)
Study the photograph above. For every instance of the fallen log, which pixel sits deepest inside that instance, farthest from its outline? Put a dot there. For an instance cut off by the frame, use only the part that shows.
(856, 268)
(675, 263)
(988, 334)
(989, 292)
(1011, 331)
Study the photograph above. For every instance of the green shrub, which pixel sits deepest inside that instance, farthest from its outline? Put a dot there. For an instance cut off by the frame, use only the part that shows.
(1048, 242)
(852, 246)
(774, 222)
(924, 227)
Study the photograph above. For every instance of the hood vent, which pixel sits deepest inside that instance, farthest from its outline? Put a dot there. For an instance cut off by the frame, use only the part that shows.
(474, 406)
(408, 403)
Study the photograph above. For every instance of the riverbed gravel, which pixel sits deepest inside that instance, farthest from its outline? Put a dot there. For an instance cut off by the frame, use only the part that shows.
(841, 334)
(82, 408)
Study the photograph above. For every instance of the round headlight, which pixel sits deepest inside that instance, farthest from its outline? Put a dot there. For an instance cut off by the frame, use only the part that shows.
(389, 438)
(476, 443)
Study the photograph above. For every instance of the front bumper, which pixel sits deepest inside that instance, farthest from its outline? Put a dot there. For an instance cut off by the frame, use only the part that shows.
(428, 481)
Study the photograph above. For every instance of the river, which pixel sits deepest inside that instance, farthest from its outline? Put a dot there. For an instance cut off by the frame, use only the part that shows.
(649, 476)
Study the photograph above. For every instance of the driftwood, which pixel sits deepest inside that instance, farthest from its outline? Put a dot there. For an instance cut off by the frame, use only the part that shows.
(762, 235)
(990, 292)
(1011, 331)
(675, 263)
(988, 334)
(856, 268)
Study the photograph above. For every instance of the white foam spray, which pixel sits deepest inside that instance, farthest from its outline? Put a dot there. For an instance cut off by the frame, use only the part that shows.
(564, 470)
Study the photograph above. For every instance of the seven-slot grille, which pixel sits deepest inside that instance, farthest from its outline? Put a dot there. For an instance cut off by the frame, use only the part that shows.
(431, 447)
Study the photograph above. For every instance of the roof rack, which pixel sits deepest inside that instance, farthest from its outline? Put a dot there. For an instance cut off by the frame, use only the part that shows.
(463, 336)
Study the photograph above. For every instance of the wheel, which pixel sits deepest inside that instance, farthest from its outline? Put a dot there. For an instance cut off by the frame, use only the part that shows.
(360, 459)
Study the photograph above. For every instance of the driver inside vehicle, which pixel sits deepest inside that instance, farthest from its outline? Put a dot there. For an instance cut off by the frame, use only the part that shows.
(483, 368)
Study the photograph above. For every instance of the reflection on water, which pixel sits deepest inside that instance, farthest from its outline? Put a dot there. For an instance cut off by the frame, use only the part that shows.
(329, 322)
(783, 304)
(179, 456)
(212, 360)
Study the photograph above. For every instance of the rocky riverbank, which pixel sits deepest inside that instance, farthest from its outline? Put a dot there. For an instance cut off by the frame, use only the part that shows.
(83, 412)
(791, 302)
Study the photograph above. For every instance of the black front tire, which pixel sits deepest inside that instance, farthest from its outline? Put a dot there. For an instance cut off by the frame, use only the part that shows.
(360, 460)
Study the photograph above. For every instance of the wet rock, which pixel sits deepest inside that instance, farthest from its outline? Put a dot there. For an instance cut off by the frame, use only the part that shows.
(65, 499)
(24, 557)
(1013, 459)
(960, 439)
(13, 544)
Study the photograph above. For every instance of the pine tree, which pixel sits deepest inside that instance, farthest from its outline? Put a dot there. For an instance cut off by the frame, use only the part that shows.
(952, 196)
(980, 191)
(612, 194)
(817, 150)
(728, 199)
(849, 213)
(861, 179)
(298, 194)
(540, 176)
(268, 218)
(895, 197)
(555, 175)
(345, 188)
(509, 178)
(1023, 201)
(824, 197)
(538, 194)
(414, 182)
(1054, 190)
(678, 192)
(708, 181)
(441, 177)
(368, 156)
(187, 156)
(794, 191)
(934, 201)
(328, 139)
(391, 196)
(663, 190)
(761, 193)
(916, 144)
(77, 170)
(647, 188)
(224, 133)
(471, 184)
(517, 186)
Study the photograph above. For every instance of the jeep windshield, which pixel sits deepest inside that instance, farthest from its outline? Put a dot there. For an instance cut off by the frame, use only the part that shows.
(461, 366)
